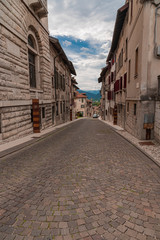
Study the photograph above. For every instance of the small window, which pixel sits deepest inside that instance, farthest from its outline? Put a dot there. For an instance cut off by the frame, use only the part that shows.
(57, 112)
(159, 85)
(136, 62)
(128, 107)
(135, 109)
(64, 106)
(31, 41)
(52, 81)
(82, 106)
(82, 100)
(56, 78)
(126, 48)
(61, 82)
(61, 107)
(129, 70)
(43, 112)
(0, 123)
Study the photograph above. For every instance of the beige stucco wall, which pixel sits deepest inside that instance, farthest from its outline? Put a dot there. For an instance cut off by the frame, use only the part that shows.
(141, 89)
(79, 103)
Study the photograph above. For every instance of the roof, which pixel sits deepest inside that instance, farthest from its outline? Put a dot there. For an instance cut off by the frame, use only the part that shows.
(100, 79)
(103, 72)
(121, 14)
(76, 86)
(74, 80)
(56, 44)
(80, 95)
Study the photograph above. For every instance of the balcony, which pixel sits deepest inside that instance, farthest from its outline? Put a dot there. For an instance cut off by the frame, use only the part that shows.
(39, 7)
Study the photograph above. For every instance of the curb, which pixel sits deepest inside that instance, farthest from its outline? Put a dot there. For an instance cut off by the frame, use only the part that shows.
(141, 150)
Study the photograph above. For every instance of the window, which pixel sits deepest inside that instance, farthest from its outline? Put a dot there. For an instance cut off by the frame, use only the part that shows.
(126, 48)
(128, 107)
(61, 107)
(32, 61)
(125, 81)
(159, 85)
(82, 100)
(112, 76)
(57, 112)
(31, 41)
(131, 10)
(52, 81)
(135, 109)
(136, 63)
(0, 123)
(64, 106)
(82, 106)
(61, 82)
(129, 70)
(43, 112)
(64, 84)
(56, 78)
(120, 83)
(32, 70)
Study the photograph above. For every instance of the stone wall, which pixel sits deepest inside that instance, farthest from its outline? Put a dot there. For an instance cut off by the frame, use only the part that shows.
(157, 122)
(17, 22)
(16, 122)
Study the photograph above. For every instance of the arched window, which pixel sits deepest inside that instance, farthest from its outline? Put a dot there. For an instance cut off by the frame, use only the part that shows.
(32, 61)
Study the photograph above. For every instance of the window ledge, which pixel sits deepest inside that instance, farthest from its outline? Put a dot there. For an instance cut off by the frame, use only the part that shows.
(36, 90)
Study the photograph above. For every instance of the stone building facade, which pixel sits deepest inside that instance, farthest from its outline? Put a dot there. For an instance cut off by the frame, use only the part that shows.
(25, 69)
(89, 108)
(74, 88)
(81, 104)
(61, 70)
(136, 50)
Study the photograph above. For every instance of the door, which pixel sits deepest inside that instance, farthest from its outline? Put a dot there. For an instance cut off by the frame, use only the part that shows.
(36, 115)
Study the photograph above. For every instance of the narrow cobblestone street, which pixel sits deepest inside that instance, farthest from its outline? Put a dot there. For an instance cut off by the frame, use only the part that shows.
(82, 182)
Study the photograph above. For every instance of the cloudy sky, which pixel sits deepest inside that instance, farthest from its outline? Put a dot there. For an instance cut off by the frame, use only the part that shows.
(84, 29)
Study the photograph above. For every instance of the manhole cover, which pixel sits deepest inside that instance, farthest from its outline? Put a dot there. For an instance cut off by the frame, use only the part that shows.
(146, 143)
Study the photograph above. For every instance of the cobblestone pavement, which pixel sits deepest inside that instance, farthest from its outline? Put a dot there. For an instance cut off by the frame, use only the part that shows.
(83, 182)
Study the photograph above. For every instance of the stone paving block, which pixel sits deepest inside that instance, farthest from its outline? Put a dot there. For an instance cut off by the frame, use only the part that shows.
(83, 188)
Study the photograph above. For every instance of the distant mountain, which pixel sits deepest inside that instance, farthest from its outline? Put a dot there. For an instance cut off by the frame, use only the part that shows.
(92, 94)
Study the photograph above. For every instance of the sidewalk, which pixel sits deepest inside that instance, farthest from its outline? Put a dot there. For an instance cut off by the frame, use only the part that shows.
(152, 151)
(13, 146)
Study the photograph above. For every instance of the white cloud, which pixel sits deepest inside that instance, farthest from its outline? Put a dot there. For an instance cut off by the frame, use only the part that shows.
(84, 49)
(92, 21)
(67, 43)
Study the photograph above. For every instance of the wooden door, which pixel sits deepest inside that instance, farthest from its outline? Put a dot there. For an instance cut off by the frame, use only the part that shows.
(36, 115)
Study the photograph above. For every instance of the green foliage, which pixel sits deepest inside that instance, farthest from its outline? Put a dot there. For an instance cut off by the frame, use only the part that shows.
(96, 103)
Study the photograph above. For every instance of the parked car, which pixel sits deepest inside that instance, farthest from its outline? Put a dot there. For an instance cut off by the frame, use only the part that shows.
(95, 115)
